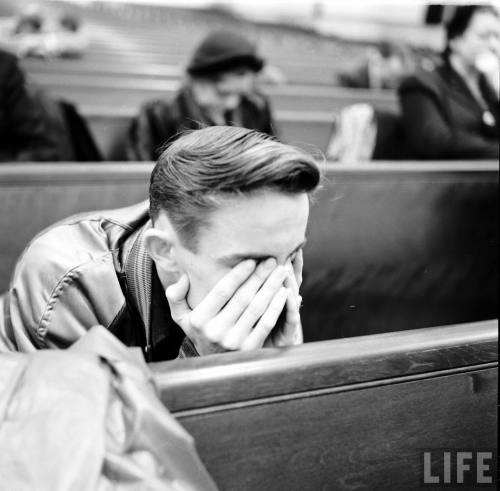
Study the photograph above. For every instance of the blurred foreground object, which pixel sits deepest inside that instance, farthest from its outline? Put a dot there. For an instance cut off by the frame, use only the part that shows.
(88, 418)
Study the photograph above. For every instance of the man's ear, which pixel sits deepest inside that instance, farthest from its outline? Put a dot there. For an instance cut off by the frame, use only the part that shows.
(161, 246)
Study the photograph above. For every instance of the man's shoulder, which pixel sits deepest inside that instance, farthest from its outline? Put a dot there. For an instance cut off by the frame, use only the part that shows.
(80, 239)
(66, 280)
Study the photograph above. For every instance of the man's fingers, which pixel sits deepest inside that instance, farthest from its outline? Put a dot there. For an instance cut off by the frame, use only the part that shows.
(298, 265)
(222, 292)
(292, 330)
(291, 282)
(266, 323)
(246, 293)
(176, 296)
(260, 302)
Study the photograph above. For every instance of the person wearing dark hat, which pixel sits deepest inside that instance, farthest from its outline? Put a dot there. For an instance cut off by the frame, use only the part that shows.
(219, 89)
(452, 111)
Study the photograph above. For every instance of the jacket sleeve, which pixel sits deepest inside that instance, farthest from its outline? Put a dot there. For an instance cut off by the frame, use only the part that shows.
(427, 132)
(59, 291)
(27, 120)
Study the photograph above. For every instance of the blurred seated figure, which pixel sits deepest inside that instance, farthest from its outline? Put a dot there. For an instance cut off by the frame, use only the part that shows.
(25, 133)
(452, 111)
(383, 68)
(46, 34)
(220, 89)
(75, 141)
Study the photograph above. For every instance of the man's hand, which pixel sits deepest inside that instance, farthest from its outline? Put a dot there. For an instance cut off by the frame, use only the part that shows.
(241, 310)
(291, 332)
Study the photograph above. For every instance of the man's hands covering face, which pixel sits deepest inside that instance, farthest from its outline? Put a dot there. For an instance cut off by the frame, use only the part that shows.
(242, 309)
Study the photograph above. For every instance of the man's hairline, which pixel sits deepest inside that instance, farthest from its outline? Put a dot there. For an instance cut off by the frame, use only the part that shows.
(227, 196)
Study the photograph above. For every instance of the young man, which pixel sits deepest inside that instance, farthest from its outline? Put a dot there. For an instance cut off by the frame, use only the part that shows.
(214, 264)
(219, 90)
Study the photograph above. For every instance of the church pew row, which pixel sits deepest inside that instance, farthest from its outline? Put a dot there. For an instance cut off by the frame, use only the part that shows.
(339, 415)
(307, 70)
(389, 245)
(164, 50)
(137, 68)
(115, 91)
(306, 129)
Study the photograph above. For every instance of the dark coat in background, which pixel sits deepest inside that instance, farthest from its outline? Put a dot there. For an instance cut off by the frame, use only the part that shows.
(25, 134)
(159, 121)
(443, 120)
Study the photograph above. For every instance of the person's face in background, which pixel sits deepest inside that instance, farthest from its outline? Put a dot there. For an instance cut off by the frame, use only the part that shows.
(482, 37)
(223, 92)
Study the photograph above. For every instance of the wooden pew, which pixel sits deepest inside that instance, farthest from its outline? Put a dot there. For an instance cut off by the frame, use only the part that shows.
(117, 91)
(409, 244)
(389, 245)
(338, 415)
(135, 67)
(34, 196)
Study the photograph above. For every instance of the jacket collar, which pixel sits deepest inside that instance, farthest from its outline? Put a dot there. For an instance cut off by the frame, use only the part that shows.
(163, 336)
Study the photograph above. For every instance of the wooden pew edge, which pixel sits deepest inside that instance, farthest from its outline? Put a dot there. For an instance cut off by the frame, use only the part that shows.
(235, 377)
(40, 172)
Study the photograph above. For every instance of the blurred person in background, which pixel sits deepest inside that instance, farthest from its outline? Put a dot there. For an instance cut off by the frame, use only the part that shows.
(384, 67)
(452, 110)
(25, 133)
(43, 32)
(220, 89)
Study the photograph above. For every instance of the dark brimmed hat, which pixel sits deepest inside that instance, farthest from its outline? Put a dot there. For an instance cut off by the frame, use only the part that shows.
(222, 51)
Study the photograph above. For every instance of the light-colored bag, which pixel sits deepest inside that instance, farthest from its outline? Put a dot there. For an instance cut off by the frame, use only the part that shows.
(355, 134)
(88, 418)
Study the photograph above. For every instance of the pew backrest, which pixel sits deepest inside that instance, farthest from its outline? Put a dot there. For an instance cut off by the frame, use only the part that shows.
(338, 414)
(413, 244)
(34, 196)
(390, 246)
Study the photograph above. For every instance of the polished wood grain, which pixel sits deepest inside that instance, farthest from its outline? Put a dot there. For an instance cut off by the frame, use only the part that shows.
(338, 415)
(324, 366)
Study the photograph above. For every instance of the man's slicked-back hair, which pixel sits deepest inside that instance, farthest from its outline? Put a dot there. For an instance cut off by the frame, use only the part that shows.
(203, 168)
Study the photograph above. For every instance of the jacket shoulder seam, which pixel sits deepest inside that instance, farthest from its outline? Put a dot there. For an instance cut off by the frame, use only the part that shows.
(68, 277)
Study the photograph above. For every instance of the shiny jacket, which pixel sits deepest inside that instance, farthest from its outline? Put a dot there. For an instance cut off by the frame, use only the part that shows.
(87, 270)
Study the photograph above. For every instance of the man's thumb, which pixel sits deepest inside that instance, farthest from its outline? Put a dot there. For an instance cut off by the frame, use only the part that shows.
(176, 296)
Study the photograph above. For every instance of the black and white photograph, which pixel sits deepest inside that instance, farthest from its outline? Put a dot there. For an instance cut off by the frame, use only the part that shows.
(249, 245)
